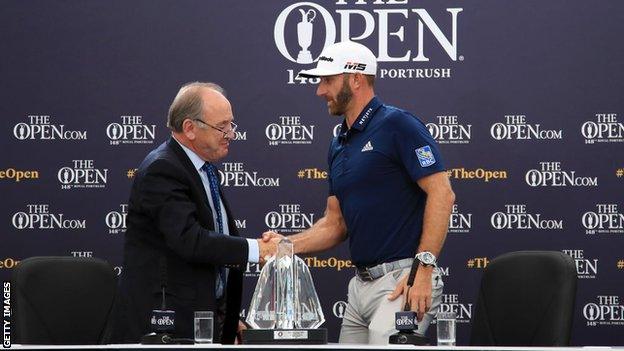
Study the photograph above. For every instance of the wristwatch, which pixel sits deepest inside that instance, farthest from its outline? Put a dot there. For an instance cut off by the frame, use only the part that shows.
(427, 259)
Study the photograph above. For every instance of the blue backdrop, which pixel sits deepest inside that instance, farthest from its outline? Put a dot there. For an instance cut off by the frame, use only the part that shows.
(525, 99)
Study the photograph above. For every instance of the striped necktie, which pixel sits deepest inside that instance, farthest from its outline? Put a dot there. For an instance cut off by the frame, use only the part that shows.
(213, 180)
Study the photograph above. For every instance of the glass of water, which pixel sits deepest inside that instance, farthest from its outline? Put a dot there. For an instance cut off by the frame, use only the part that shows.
(204, 326)
(446, 328)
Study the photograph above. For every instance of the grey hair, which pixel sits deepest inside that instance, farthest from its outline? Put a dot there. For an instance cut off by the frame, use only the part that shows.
(188, 104)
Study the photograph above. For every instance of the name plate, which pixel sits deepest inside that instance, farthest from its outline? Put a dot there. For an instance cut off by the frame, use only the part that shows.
(290, 335)
(285, 336)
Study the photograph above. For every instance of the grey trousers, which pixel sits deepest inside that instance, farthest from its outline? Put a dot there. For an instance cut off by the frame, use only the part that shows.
(369, 316)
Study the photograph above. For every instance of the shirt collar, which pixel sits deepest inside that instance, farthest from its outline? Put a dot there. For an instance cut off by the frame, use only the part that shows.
(363, 119)
(367, 113)
(195, 159)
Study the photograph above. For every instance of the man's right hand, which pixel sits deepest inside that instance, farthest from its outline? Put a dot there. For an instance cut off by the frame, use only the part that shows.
(268, 235)
(267, 248)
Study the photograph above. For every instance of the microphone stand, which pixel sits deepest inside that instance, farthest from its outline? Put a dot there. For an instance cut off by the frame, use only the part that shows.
(406, 334)
(161, 335)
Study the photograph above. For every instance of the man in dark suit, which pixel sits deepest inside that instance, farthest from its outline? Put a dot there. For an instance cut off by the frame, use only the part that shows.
(180, 226)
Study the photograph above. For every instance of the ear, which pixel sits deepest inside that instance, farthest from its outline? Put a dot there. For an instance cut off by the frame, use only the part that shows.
(358, 80)
(188, 129)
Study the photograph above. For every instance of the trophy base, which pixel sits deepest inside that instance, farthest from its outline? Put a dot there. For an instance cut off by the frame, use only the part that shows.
(163, 339)
(285, 336)
(304, 57)
(409, 338)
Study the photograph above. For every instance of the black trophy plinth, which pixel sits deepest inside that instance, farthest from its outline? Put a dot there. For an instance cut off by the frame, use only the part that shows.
(285, 336)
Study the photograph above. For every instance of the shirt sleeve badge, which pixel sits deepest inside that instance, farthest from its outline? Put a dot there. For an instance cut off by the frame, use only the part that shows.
(425, 156)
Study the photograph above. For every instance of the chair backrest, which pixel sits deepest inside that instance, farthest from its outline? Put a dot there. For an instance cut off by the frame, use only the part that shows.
(526, 298)
(62, 300)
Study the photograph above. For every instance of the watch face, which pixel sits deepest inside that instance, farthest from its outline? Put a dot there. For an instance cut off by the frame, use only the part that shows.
(427, 258)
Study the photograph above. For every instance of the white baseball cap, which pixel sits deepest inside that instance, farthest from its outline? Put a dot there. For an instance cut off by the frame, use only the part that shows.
(343, 57)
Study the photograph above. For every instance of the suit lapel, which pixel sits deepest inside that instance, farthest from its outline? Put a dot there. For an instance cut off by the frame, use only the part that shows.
(190, 168)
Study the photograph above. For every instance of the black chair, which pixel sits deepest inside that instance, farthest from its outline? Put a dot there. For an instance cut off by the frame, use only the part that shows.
(526, 299)
(62, 300)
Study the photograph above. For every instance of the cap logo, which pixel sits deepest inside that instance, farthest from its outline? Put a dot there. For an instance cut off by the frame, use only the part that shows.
(325, 58)
(355, 66)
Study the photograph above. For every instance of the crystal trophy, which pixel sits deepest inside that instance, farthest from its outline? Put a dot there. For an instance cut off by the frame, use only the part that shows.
(285, 308)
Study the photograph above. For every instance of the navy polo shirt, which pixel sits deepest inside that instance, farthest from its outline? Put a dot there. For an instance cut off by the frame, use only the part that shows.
(374, 167)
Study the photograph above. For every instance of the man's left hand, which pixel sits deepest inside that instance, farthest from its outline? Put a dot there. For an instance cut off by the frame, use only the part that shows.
(239, 333)
(419, 295)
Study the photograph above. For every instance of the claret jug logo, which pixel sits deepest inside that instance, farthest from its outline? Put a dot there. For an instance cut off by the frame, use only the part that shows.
(607, 310)
(517, 128)
(38, 216)
(289, 130)
(516, 217)
(400, 32)
(82, 174)
(606, 219)
(40, 127)
(551, 174)
(307, 15)
(116, 220)
(131, 130)
(606, 129)
(289, 219)
(448, 130)
(339, 309)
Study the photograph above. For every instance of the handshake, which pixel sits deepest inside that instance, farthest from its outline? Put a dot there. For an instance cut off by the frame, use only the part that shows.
(267, 245)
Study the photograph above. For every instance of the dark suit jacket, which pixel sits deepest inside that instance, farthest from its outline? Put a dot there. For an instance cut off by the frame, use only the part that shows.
(169, 216)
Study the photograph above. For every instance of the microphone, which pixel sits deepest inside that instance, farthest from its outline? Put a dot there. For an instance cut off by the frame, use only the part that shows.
(406, 321)
(162, 321)
(163, 280)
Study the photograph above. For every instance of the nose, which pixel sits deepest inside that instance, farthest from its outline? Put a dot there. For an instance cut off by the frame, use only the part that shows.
(320, 90)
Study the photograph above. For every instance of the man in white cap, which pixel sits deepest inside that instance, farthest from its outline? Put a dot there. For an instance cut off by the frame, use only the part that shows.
(389, 195)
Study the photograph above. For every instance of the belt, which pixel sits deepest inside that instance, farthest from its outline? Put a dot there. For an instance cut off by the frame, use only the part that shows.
(374, 272)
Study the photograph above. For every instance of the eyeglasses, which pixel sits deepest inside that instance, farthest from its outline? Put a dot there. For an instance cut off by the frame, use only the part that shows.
(231, 133)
